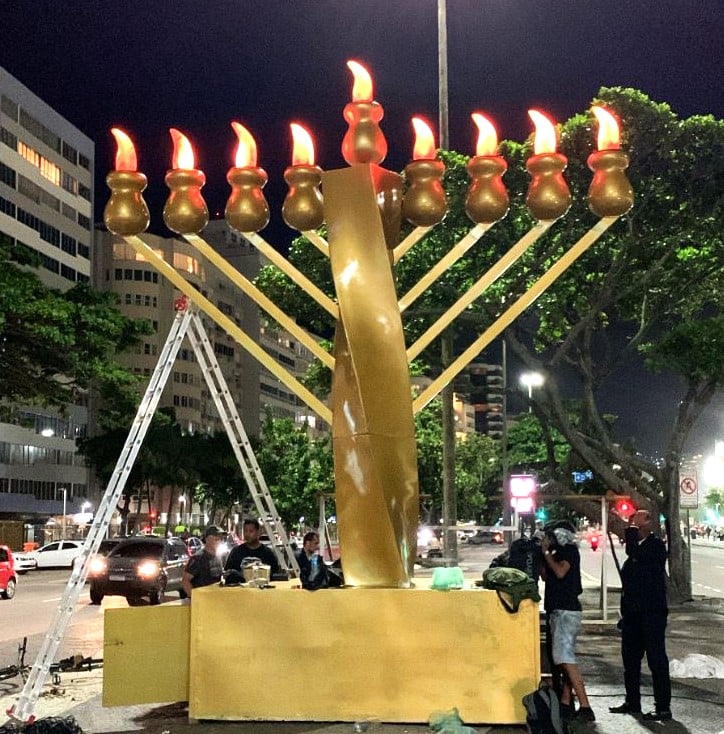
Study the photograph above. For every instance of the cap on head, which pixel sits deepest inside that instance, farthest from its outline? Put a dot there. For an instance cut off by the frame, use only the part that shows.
(214, 530)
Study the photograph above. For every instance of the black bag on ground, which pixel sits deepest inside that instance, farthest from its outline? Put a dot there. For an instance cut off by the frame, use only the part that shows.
(543, 712)
(512, 585)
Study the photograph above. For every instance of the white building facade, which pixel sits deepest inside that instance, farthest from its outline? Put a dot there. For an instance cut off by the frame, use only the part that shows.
(46, 204)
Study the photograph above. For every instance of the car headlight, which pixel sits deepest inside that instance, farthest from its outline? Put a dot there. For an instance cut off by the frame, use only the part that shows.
(148, 569)
(97, 566)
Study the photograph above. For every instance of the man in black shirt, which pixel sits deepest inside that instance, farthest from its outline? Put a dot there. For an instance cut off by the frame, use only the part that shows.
(204, 567)
(252, 547)
(644, 614)
(561, 571)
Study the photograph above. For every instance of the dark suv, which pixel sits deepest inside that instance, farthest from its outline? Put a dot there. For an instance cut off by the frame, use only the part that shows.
(137, 567)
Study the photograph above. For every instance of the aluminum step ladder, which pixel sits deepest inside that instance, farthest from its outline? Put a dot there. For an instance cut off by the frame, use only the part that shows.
(266, 510)
(23, 710)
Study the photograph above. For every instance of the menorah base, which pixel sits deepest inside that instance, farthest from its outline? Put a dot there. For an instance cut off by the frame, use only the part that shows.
(393, 655)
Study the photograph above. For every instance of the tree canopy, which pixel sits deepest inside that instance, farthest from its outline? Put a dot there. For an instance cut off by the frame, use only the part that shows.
(54, 343)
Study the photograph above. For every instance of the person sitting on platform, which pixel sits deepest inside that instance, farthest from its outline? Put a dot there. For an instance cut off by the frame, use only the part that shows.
(312, 569)
(252, 547)
(204, 567)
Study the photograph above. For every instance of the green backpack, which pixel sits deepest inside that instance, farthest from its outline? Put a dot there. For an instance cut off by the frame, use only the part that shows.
(512, 585)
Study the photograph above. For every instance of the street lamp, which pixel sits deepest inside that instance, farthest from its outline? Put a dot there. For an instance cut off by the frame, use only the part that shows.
(531, 380)
(64, 490)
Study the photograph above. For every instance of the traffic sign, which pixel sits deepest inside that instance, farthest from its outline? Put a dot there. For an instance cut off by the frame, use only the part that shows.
(688, 492)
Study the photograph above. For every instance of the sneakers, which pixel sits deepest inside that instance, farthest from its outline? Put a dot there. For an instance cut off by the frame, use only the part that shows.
(657, 716)
(568, 710)
(625, 708)
(586, 714)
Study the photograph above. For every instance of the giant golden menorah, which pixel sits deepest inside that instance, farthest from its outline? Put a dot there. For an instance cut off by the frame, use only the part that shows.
(372, 407)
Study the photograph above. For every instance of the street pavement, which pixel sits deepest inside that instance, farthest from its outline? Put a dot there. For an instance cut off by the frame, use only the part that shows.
(697, 705)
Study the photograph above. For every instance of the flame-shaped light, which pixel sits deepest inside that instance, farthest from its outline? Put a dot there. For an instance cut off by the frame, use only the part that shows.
(126, 152)
(545, 133)
(487, 144)
(609, 137)
(362, 90)
(246, 149)
(303, 151)
(183, 153)
(424, 141)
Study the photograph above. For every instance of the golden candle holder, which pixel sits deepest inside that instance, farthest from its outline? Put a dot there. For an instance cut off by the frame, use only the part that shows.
(185, 211)
(247, 209)
(372, 408)
(303, 208)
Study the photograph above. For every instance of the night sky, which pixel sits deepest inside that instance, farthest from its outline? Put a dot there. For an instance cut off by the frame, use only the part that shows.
(148, 65)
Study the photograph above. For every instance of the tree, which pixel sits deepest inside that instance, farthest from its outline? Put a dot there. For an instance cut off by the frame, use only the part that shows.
(56, 343)
(297, 468)
(658, 271)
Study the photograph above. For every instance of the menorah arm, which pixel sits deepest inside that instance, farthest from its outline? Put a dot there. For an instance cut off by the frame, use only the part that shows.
(318, 241)
(479, 287)
(512, 313)
(412, 239)
(230, 327)
(260, 299)
(296, 275)
(451, 257)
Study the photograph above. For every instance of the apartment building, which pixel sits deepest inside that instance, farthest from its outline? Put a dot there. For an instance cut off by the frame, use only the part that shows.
(145, 294)
(46, 204)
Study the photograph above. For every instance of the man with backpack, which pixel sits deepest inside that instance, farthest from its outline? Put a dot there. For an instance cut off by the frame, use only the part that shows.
(561, 570)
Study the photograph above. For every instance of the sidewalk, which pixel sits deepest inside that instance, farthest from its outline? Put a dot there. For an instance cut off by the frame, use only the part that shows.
(698, 704)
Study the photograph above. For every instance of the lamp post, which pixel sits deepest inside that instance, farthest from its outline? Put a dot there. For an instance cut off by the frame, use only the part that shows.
(64, 490)
(531, 380)
(182, 503)
(442, 90)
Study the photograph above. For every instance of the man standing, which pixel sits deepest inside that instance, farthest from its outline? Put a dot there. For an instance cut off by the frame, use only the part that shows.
(252, 547)
(204, 567)
(561, 570)
(644, 614)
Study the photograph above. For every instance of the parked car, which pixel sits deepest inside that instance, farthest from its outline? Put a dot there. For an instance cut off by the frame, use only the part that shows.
(24, 562)
(60, 554)
(137, 567)
(486, 536)
(8, 579)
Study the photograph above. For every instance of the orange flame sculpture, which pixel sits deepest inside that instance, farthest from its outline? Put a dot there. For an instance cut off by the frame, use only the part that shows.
(303, 151)
(487, 136)
(609, 137)
(183, 153)
(546, 137)
(246, 149)
(424, 149)
(362, 90)
(126, 152)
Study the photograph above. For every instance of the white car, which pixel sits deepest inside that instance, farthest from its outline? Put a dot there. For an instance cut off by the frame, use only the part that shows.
(61, 553)
(24, 562)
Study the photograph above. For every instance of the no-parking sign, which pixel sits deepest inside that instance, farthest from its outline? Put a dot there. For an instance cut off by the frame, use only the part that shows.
(688, 492)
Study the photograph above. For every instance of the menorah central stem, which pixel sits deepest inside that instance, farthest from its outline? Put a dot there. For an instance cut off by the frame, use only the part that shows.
(375, 453)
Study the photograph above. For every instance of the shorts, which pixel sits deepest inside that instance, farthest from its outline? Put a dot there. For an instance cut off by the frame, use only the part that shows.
(564, 626)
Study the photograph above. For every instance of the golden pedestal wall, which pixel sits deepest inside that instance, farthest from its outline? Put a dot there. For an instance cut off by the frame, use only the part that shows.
(395, 655)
